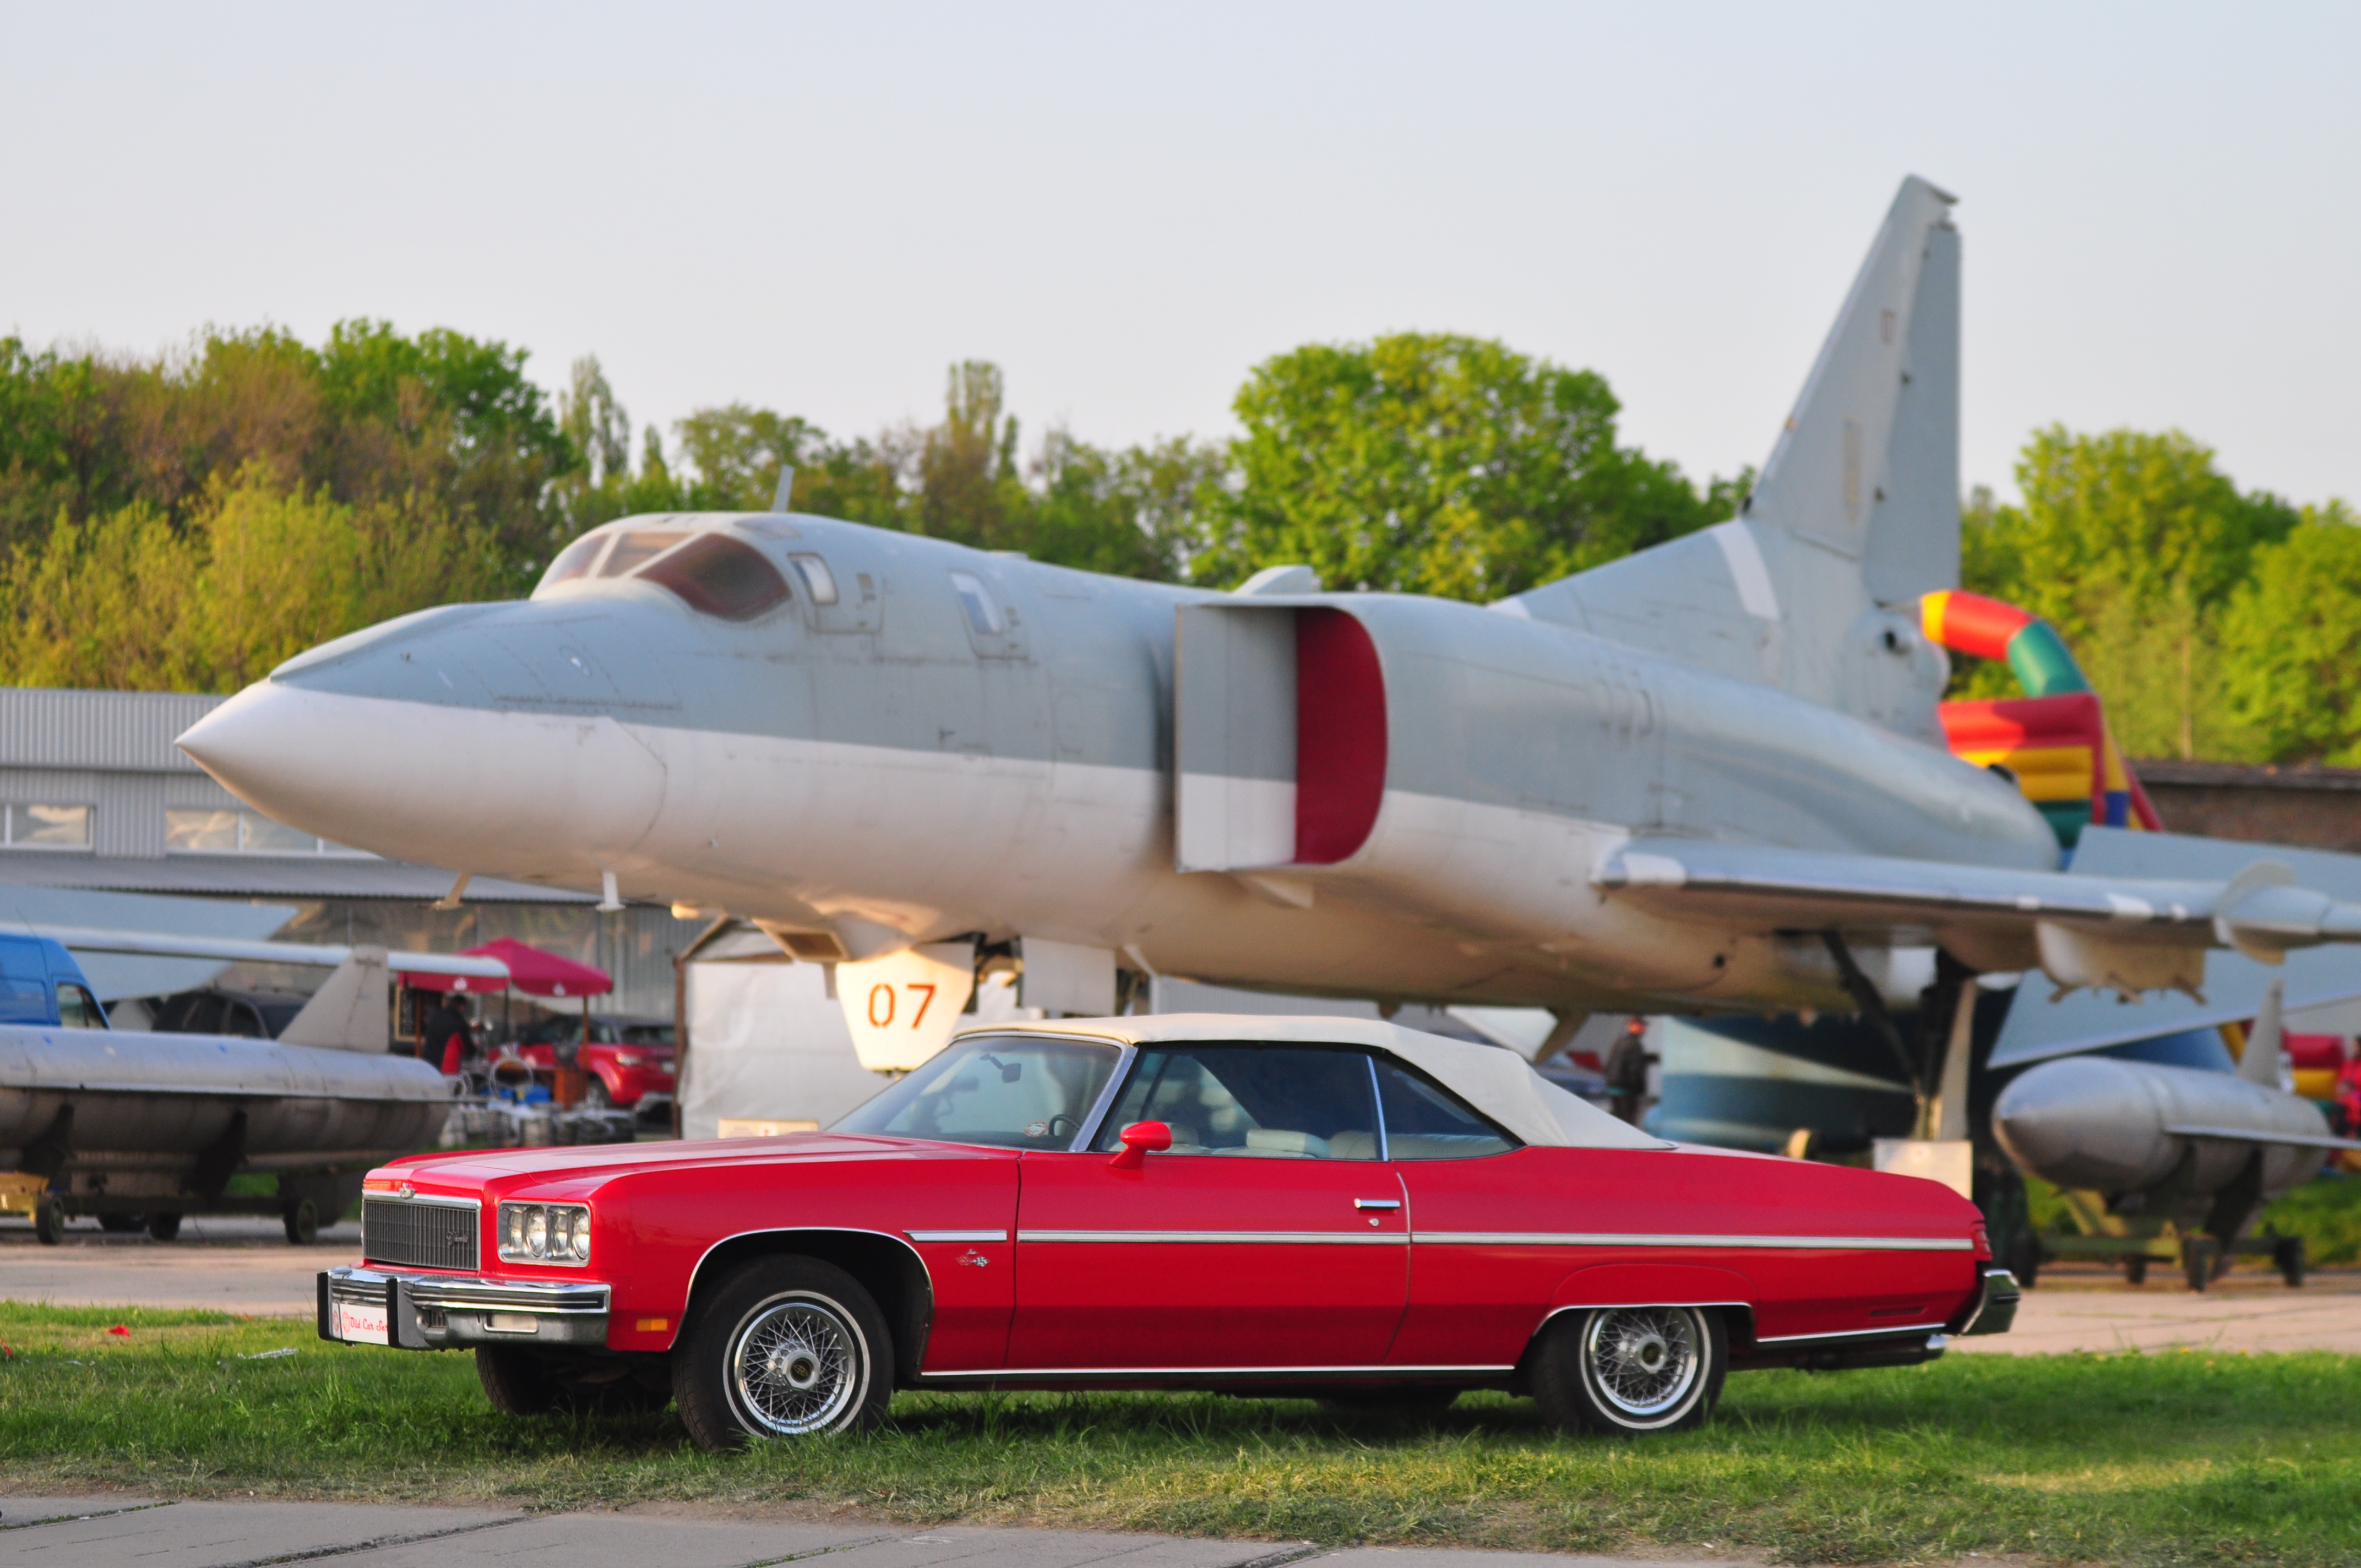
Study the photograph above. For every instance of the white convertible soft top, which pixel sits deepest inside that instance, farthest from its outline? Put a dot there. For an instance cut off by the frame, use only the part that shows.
(1496, 1080)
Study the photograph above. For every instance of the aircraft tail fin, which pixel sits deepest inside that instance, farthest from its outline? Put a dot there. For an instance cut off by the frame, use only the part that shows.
(1812, 587)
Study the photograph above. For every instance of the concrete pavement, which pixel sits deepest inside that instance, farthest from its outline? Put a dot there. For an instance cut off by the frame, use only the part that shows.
(107, 1531)
(2086, 1307)
(231, 1263)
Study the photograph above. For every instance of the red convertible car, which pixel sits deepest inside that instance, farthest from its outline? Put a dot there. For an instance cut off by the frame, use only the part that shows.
(1316, 1206)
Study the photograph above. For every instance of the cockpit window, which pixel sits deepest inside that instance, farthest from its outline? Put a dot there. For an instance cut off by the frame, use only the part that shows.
(633, 548)
(575, 560)
(719, 575)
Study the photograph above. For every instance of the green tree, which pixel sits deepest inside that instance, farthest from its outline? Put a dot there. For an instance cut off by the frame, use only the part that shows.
(2131, 544)
(2291, 643)
(1437, 464)
(259, 573)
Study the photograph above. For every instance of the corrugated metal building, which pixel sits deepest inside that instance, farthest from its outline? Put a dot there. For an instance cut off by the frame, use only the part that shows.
(94, 796)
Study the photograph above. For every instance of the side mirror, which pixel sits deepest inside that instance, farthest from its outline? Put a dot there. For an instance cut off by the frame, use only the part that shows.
(1138, 1139)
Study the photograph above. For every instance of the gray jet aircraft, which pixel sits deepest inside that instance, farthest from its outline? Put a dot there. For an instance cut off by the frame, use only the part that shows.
(1705, 776)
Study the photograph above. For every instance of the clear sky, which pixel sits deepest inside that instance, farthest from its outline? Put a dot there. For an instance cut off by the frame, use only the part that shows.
(817, 208)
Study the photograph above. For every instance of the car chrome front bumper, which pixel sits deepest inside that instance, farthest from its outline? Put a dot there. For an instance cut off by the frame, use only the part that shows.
(440, 1311)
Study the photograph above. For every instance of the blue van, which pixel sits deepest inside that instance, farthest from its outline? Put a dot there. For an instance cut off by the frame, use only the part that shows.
(41, 984)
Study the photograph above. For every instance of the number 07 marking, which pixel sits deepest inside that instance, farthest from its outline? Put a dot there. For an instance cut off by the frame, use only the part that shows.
(881, 999)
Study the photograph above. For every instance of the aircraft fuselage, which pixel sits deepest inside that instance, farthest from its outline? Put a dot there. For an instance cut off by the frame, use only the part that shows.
(903, 765)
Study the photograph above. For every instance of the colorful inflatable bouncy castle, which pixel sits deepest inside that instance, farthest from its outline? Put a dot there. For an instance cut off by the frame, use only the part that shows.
(2054, 738)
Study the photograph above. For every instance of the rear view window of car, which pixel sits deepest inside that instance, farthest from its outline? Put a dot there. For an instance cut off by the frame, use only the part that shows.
(722, 577)
(1426, 1121)
(1273, 1101)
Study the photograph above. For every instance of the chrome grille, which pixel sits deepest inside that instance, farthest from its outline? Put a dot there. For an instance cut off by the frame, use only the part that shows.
(427, 1235)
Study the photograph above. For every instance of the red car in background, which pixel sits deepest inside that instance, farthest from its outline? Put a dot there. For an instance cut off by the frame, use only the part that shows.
(629, 1060)
(1305, 1206)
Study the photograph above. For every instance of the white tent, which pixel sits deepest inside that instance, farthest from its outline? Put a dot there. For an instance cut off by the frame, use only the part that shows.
(765, 1041)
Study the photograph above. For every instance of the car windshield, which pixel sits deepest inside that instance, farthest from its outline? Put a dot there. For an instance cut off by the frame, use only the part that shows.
(1006, 1090)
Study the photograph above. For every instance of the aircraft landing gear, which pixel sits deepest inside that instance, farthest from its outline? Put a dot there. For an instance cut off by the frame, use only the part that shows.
(2287, 1253)
(49, 1219)
(2135, 1270)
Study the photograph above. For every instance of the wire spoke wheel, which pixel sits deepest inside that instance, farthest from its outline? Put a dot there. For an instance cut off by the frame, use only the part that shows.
(795, 1365)
(1643, 1361)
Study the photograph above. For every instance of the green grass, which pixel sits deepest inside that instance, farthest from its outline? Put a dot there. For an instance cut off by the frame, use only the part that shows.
(2157, 1459)
(2327, 1214)
(2325, 1211)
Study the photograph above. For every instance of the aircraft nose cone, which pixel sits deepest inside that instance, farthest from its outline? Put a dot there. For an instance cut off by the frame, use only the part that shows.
(2084, 1122)
(376, 752)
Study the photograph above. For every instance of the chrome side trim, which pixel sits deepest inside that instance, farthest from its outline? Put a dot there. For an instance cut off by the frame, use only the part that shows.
(1272, 1238)
(957, 1235)
(1255, 1371)
(1609, 1238)
(1387, 1203)
(1897, 1332)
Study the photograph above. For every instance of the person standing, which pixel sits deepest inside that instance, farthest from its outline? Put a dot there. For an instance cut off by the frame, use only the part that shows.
(445, 1035)
(1626, 1069)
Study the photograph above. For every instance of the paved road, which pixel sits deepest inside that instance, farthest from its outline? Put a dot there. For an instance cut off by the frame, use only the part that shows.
(232, 1264)
(245, 1265)
(2087, 1307)
(103, 1532)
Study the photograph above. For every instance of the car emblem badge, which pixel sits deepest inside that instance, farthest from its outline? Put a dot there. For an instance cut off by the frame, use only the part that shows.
(973, 1259)
(405, 1191)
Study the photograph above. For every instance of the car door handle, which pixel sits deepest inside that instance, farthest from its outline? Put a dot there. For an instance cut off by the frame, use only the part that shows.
(1377, 1202)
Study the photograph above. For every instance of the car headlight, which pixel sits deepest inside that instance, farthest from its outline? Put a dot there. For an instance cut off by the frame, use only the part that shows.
(545, 1232)
(630, 1059)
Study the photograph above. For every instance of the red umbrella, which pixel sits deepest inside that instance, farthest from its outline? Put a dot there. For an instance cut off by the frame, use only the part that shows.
(531, 971)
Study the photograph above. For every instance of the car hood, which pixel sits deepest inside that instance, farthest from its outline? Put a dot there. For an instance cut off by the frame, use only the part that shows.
(476, 1170)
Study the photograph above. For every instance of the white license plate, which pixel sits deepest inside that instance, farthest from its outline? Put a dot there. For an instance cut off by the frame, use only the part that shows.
(361, 1325)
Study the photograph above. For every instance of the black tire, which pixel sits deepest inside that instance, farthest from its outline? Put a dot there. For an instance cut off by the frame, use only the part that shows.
(1403, 1398)
(783, 1347)
(49, 1219)
(2288, 1253)
(514, 1381)
(301, 1220)
(122, 1224)
(595, 1096)
(2197, 1261)
(163, 1227)
(1629, 1371)
(2136, 1269)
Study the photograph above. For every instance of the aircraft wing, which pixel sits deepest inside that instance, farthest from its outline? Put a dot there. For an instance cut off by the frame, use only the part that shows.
(2260, 910)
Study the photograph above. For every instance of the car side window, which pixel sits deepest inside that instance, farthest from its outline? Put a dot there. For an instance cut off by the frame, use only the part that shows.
(77, 1008)
(1426, 1121)
(1271, 1102)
